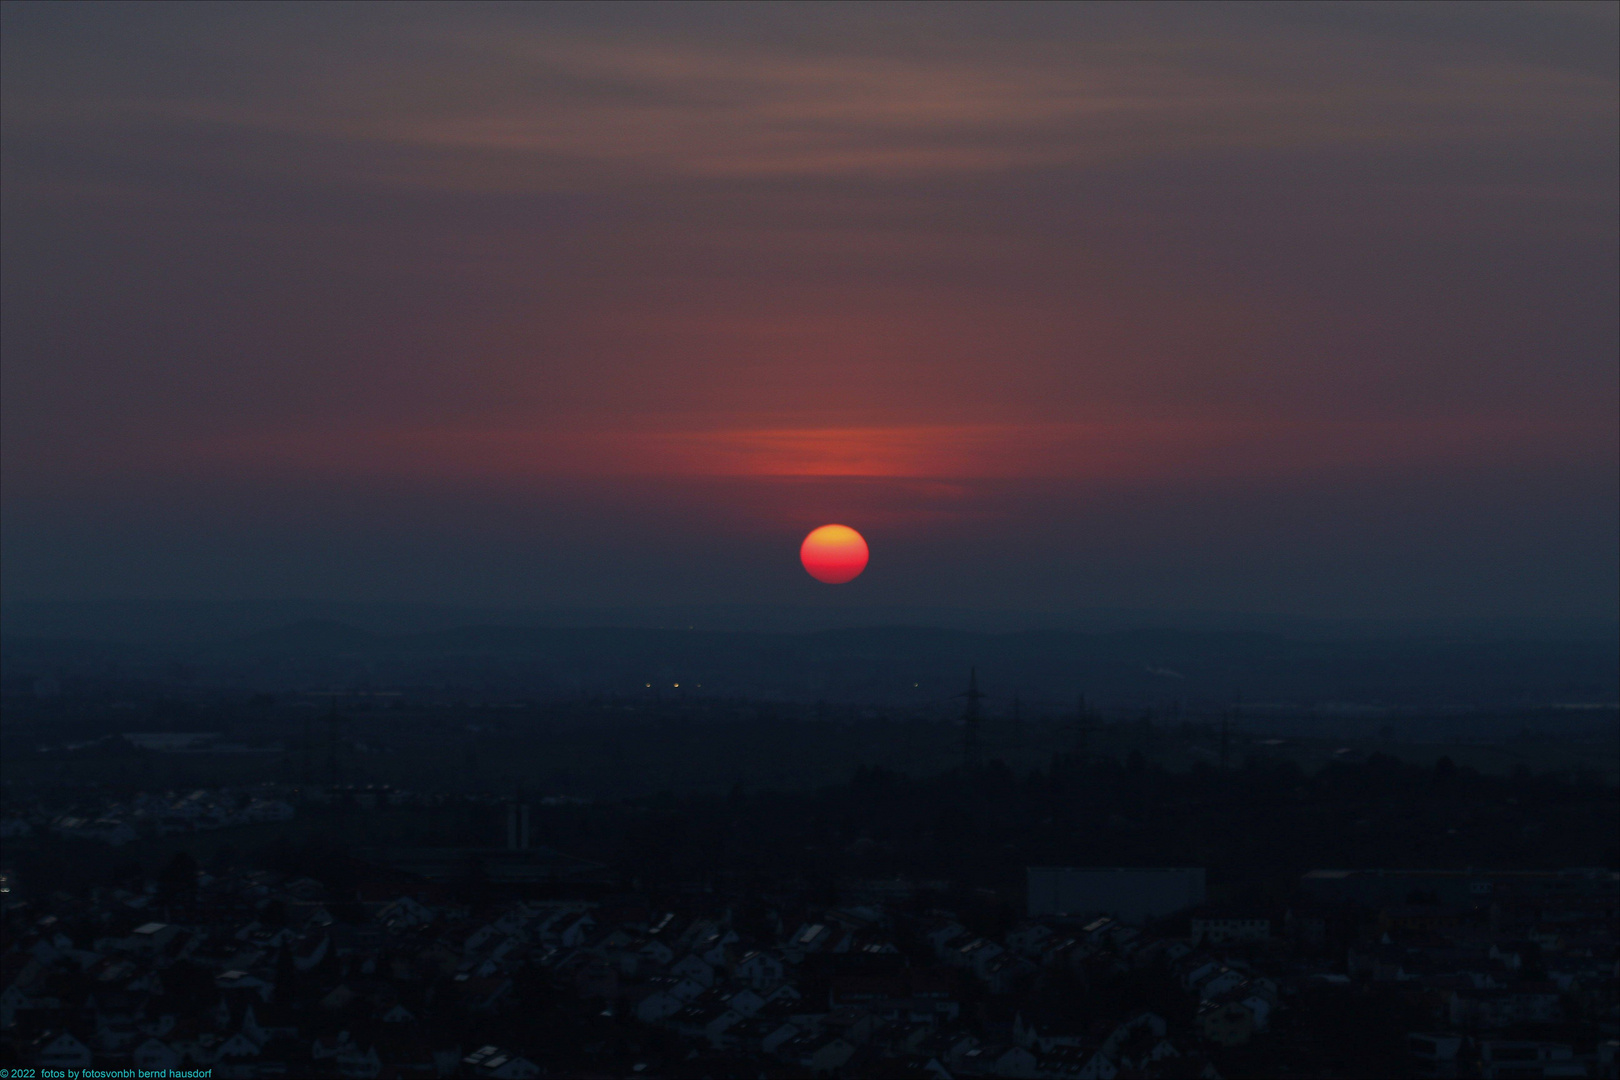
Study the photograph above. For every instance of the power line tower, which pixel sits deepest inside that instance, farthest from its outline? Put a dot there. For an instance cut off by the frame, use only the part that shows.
(333, 720)
(1082, 732)
(972, 749)
(1226, 727)
(307, 773)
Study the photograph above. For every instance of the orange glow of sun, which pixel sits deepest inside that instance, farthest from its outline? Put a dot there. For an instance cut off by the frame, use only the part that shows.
(834, 554)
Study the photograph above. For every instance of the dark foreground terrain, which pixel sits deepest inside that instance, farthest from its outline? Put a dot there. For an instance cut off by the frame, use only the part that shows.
(878, 926)
(324, 851)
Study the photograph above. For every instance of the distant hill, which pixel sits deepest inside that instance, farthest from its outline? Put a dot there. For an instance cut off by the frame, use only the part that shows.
(306, 636)
(889, 665)
(152, 622)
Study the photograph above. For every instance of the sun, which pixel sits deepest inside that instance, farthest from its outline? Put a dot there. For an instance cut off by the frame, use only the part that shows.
(834, 554)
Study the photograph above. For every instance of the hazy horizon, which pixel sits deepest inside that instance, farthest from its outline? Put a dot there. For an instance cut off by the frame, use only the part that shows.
(196, 620)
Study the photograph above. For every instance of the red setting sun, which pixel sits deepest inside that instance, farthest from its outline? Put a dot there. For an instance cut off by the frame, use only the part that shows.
(834, 554)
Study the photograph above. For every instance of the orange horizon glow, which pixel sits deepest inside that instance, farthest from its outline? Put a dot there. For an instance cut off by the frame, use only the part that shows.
(834, 554)
(1132, 449)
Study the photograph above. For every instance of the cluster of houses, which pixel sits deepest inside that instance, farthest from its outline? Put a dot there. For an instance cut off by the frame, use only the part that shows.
(251, 974)
(254, 974)
(1508, 963)
(119, 822)
(872, 1012)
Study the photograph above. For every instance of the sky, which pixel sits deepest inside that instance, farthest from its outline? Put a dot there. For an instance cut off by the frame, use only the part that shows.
(1291, 308)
